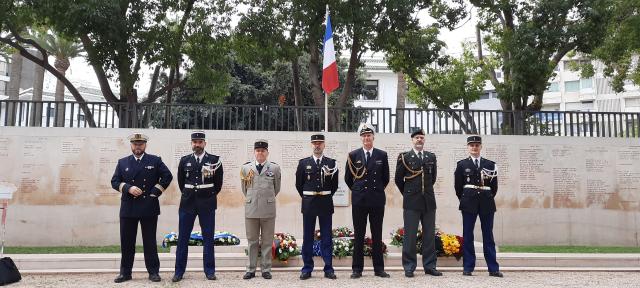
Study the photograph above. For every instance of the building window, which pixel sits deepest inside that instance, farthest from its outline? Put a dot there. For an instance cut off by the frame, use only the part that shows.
(572, 86)
(553, 87)
(586, 83)
(485, 95)
(370, 90)
(498, 74)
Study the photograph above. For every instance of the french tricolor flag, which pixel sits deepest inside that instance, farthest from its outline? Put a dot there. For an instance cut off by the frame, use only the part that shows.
(329, 66)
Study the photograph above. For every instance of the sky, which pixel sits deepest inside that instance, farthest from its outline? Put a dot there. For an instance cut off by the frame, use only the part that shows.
(81, 74)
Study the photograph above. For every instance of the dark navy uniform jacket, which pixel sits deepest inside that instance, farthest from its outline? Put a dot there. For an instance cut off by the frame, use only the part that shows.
(151, 175)
(475, 200)
(369, 190)
(308, 178)
(190, 173)
(417, 192)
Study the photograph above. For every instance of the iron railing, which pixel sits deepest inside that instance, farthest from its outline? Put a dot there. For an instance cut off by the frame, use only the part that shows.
(290, 118)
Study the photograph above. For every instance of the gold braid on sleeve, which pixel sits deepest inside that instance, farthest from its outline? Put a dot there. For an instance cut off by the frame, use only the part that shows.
(356, 172)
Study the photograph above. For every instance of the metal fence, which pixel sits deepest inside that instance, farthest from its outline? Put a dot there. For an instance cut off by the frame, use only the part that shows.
(290, 118)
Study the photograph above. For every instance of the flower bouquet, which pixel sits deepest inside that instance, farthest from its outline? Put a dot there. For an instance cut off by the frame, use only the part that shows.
(342, 247)
(368, 247)
(284, 246)
(170, 239)
(224, 238)
(220, 238)
(449, 245)
(397, 237)
(336, 233)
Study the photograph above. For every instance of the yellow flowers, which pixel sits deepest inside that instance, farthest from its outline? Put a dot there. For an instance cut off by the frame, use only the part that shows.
(450, 244)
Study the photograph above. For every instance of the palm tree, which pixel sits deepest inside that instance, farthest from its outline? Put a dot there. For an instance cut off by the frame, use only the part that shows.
(63, 49)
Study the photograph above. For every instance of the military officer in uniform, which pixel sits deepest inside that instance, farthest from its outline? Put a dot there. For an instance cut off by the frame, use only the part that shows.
(260, 185)
(476, 185)
(140, 178)
(416, 172)
(367, 175)
(316, 182)
(200, 177)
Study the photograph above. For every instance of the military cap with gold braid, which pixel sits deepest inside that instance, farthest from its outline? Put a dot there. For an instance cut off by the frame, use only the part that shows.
(138, 137)
(365, 128)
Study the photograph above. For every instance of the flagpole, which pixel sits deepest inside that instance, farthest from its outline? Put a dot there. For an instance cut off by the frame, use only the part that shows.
(326, 112)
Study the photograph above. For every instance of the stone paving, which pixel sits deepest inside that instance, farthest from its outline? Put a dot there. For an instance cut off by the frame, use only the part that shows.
(290, 280)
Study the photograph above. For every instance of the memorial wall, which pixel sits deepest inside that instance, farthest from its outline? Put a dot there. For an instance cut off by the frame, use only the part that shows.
(552, 190)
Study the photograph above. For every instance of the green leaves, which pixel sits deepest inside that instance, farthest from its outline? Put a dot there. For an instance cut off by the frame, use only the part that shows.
(452, 83)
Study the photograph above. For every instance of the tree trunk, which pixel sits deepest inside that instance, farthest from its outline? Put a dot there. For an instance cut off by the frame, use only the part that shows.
(61, 64)
(297, 94)
(36, 104)
(471, 123)
(354, 61)
(15, 75)
(314, 74)
(401, 100)
(146, 116)
(314, 80)
(60, 107)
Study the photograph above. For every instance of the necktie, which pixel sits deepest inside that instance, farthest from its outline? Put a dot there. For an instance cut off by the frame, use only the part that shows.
(420, 155)
(476, 162)
(198, 160)
(138, 160)
(318, 162)
(366, 160)
(259, 167)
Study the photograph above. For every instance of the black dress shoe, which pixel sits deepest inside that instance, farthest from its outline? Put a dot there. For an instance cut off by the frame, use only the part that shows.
(305, 275)
(249, 275)
(408, 274)
(330, 275)
(176, 278)
(155, 277)
(382, 274)
(496, 274)
(212, 277)
(266, 275)
(121, 278)
(433, 272)
(467, 273)
(356, 275)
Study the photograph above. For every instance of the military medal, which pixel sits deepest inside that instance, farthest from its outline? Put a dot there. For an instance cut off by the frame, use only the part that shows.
(468, 179)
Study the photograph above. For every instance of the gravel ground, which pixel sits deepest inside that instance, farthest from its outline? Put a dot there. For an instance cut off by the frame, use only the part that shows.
(290, 280)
